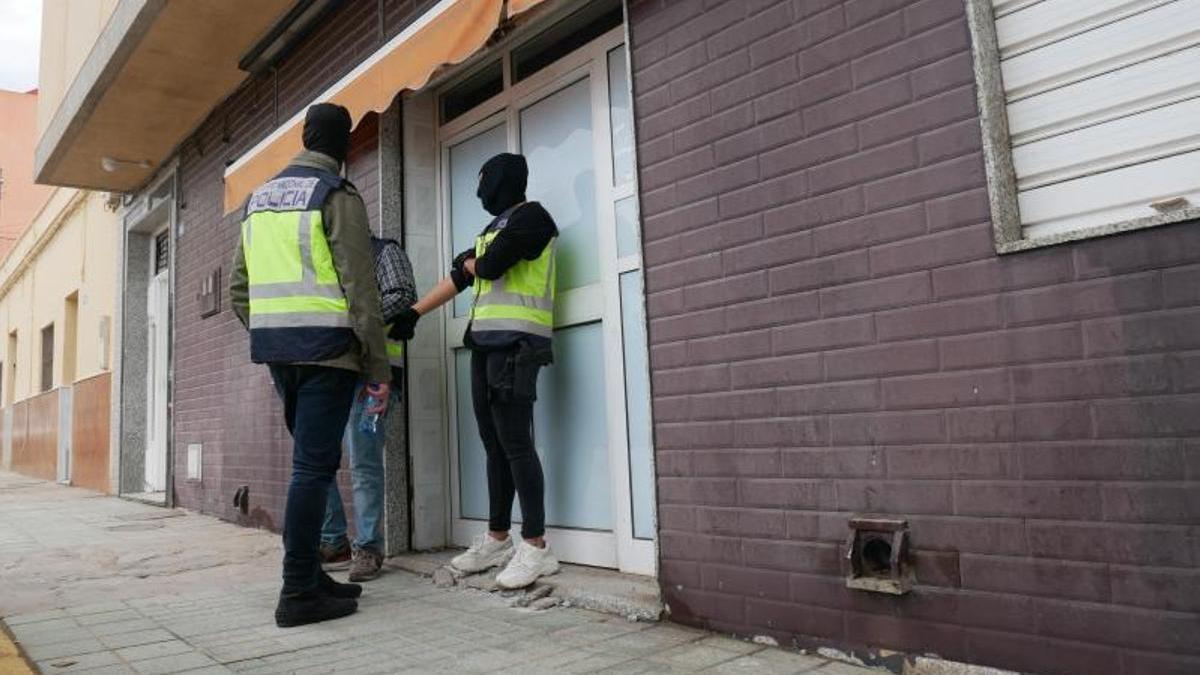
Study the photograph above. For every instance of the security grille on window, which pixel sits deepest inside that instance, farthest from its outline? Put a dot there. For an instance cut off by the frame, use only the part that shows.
(1090, 113)
(161, 251)
(48, 358)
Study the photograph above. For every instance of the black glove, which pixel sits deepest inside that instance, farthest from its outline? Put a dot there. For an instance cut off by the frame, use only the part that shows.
(461, 259)
(404, 325)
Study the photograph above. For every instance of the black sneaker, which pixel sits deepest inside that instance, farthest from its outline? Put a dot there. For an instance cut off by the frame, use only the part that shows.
(300, 609)
(333, 588)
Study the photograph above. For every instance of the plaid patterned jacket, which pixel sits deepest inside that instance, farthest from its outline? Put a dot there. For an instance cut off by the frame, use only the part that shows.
(393, 272)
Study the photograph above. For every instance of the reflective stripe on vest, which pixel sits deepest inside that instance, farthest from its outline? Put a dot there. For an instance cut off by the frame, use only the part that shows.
(395, 352)
(395, 349)
(522, 300)
(293, 282)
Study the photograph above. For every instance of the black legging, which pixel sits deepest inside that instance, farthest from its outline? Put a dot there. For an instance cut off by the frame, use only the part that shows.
(513, 467)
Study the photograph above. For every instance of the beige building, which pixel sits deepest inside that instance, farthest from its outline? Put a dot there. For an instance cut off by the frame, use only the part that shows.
(67, 39)
(58, 290)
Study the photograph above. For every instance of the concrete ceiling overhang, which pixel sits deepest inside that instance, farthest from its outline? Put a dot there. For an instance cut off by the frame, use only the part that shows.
(156, 71)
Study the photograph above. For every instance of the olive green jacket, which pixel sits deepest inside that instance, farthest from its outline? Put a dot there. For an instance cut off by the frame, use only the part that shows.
(349, 235)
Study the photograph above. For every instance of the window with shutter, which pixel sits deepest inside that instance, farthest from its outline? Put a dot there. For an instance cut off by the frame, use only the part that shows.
(162, 252)
(1090, 113)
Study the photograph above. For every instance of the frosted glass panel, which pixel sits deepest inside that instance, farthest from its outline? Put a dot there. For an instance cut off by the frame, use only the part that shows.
(571, 432)
(556, 138)
(637, 401)
(627, 227)
(621, 117)
(467, 217)
(472, 461)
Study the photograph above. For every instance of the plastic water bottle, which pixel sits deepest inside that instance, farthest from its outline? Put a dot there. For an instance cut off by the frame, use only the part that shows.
(368, 423)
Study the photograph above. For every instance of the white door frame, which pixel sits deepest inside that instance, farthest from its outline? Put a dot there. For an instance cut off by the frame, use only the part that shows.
(597, 302)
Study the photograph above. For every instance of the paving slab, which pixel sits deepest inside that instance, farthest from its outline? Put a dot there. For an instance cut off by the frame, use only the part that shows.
(86, 663)
(154, 650)
(175, 663)
(136, 638)
(693, 656)
(59, 650)
(775, 662)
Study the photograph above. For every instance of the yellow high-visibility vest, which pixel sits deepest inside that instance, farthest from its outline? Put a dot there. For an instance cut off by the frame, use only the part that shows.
(293, 282)
(298, 310)
(522, 300)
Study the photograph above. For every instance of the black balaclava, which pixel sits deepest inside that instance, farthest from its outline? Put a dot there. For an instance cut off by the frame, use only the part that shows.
(327, 130)
(502, 182)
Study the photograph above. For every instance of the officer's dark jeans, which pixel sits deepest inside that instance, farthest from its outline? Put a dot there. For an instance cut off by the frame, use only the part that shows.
(513, 467)
(316, 405)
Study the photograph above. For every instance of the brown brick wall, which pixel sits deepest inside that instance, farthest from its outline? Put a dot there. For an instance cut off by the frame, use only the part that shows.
(221, 399)
(832, 332)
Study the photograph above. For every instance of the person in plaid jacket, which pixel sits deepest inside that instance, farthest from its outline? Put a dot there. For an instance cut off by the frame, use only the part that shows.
(398, 292)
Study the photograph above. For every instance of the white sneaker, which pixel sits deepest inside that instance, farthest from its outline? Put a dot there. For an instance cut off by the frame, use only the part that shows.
(527, 565)
(485, 553)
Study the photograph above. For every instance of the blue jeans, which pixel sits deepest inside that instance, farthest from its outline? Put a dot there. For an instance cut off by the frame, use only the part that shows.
(316, 404)
(366, 480)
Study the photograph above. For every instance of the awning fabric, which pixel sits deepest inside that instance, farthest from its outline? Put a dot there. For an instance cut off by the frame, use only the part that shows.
(448, 33)
(515, 7)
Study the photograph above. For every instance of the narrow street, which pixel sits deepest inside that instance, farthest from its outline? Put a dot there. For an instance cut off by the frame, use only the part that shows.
(102, 585)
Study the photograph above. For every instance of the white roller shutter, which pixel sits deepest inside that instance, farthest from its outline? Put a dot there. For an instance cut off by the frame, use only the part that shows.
(1103, 102)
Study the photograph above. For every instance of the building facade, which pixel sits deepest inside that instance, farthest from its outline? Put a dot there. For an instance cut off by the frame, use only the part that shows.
(57, 295)
(837, 327)
(829, 269)
(57, 302)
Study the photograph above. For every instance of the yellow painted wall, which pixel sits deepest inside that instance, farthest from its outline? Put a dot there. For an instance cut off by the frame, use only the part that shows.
(72, 244)
(71, 247)
(67, 38)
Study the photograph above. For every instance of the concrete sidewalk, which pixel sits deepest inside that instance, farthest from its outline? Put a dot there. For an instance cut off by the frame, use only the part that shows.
(102, 585)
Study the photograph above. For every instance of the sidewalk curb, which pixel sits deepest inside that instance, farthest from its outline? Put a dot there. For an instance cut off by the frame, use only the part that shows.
(13, 660)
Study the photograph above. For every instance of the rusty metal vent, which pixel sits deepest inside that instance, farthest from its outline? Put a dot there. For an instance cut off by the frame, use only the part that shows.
(878, 556)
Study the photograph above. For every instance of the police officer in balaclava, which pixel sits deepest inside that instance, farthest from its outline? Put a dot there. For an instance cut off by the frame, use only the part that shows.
(511, 268)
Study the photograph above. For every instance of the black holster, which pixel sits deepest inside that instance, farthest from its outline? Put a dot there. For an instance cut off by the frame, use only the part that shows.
(512, 375)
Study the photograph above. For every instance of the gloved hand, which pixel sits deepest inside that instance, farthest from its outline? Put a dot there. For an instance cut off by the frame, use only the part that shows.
(460, 261)
(405, 325)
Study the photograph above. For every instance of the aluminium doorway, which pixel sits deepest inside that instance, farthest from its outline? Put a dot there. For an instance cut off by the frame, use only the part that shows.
(571, 117)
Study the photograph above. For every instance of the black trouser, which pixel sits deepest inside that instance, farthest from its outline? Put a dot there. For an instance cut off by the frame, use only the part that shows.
(505, 421)
(316, 406)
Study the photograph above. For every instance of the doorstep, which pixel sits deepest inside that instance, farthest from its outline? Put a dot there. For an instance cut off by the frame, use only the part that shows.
(632, 596)
(147, 498)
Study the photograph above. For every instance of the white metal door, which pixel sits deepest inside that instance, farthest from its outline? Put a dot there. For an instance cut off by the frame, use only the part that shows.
(158, 307)
(573, 123)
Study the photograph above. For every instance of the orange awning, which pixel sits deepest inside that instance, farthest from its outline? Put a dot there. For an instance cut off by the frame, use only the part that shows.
(448, 33)
(515, 7)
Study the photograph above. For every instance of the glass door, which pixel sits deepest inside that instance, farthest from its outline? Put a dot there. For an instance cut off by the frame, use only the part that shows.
(572, 122)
